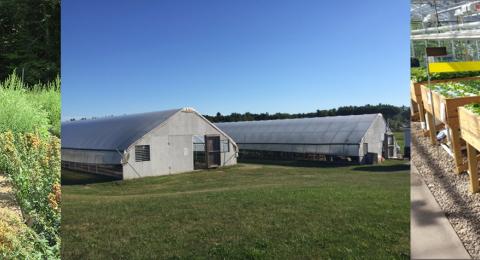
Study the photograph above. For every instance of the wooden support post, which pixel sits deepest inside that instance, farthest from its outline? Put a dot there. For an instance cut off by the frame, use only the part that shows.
(472, 168)
(432, 128)
(413, 108)
(421, 112)
(457, 150)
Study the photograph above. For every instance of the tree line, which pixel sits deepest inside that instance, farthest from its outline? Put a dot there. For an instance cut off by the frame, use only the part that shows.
(30, 39)
(396, 116)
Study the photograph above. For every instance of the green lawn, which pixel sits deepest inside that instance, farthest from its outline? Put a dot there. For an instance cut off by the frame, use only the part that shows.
(400, 137)
(248, 211)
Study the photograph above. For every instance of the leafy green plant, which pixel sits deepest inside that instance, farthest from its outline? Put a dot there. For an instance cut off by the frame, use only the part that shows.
(420, 75)
(457, 89)
(474, 107)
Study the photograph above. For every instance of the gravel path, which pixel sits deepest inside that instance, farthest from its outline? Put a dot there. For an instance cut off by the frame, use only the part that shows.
(7, 200)
(436, 168)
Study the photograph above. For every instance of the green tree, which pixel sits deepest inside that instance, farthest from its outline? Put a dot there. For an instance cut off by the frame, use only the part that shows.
(30, 39)
(397, 117)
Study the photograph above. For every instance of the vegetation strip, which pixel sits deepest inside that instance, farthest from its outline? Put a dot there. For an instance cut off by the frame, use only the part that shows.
(30, 158)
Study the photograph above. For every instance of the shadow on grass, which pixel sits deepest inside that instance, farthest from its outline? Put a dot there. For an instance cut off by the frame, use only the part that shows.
(82, 178)
(383, 168)
(315, 164)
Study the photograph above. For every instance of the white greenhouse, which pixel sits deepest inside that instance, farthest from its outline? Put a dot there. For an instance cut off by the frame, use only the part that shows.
(147, 144)
(355, 138)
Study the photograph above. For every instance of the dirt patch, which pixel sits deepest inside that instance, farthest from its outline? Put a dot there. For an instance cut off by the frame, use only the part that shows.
(436, 168)
(7, 199)
(249, 167)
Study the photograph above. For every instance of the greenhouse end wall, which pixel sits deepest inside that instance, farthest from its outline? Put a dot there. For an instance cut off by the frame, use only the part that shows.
(171, 147)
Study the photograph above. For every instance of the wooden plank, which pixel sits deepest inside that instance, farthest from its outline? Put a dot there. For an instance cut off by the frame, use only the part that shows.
(472, 168)
(413, 107)
(471, 139)
(431, 128)
(421, 112)
(452, 104)
(437, 106)
(426, 99)
(415, 91)
(470, 126)
(470, 130)
(469, 121)
(457, 150)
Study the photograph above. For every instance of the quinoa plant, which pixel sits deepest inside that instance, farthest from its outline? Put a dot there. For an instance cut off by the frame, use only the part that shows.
(18, 241)
(30, 157)
(33, 166)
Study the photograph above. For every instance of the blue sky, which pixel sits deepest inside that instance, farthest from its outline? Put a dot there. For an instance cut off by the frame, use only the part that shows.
(232, 56)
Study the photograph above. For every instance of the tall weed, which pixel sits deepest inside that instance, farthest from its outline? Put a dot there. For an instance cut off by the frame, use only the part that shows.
(47, 97)
(18, 113)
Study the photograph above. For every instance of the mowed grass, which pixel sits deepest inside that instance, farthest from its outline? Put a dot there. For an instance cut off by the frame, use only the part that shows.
(400, 137)
(248, 211)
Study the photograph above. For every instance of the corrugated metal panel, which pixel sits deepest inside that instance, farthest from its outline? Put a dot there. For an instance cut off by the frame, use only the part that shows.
(113, 133)
(320, 130)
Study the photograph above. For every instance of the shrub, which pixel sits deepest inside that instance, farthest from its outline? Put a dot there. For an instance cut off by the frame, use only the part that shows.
(33, 166)
(18, 241)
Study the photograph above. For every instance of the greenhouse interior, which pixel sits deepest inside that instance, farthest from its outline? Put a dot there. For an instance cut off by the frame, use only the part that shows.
(445, 110)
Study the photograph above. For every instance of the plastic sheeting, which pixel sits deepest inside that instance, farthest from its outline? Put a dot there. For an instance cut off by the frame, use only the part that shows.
(111, 133)
(445, 10)
(319, 130)
(339, 135)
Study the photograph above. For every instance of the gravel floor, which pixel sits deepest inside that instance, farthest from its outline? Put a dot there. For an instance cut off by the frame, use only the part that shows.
(436, 168)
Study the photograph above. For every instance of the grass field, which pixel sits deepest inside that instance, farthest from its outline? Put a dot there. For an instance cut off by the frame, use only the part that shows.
(400, 137)
(251, 211)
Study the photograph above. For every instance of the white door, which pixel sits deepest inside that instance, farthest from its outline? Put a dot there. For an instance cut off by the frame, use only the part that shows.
(180, 153)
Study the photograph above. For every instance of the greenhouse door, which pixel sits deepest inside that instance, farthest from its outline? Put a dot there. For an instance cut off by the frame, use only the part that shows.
(180, 153)
(212, 150)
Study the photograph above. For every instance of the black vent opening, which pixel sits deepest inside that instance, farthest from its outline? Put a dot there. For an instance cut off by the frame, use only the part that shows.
(142, 153)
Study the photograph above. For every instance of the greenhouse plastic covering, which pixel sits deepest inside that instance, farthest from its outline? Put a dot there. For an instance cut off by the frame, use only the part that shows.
(112, 133)
(445, 9)
(339, 130)
(442, 20)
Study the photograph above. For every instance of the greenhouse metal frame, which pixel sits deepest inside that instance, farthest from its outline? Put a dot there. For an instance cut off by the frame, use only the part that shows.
(452, 24)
